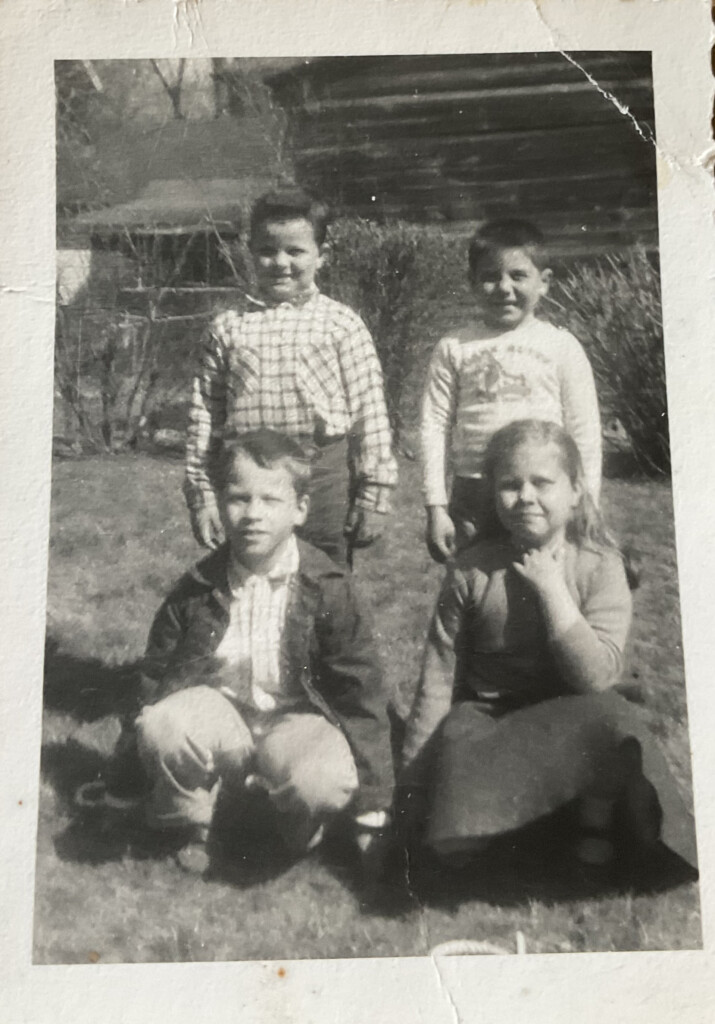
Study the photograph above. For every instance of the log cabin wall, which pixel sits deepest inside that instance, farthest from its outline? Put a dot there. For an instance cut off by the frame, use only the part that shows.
(453, 139)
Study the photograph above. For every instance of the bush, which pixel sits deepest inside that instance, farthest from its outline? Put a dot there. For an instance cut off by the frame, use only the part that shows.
(123, 360)
(118, 375)
(115, 372)
(613, 306)
(391, 274)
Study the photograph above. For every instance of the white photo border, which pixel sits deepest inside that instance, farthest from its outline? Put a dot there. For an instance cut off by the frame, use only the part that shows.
(634, 987)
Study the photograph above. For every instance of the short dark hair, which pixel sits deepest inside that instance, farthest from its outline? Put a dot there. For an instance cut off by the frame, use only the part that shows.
(508, 233)
(268, 449)
(291, 204)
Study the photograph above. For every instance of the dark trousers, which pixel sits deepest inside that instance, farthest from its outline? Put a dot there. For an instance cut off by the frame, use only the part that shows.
(470, 509)
(329, 500)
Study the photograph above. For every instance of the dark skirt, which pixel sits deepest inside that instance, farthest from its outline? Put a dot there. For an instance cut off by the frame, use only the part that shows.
(495, 775)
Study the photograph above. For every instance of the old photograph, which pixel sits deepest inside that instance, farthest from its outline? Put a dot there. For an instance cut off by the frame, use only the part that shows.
(363, 627)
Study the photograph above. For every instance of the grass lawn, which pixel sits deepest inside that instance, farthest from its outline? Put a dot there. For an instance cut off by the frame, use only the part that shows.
(119, 538)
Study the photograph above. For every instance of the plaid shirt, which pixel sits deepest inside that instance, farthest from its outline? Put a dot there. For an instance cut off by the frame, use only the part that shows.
(307, 370)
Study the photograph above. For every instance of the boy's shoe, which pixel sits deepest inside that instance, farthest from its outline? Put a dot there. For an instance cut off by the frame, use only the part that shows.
(193, 855)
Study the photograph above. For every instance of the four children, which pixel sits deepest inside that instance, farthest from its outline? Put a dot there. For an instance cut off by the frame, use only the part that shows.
(261, 671)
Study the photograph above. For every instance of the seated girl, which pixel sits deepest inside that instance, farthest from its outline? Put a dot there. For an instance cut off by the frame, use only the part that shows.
(516, 692)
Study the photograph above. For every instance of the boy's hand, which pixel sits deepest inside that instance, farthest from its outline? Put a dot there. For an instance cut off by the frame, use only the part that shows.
(206, 526)
(441, 535)
(363, 526)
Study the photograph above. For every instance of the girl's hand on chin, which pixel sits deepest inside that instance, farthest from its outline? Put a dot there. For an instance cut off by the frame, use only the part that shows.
(543, 568)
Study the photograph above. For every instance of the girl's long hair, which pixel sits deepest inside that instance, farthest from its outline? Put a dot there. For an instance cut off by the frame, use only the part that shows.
(586, 527)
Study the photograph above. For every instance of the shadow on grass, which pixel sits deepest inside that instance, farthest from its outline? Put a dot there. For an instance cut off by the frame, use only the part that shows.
(93, 836)
(247, 850)
(245, 845)
(88, 839)
(68, 764)
(538, 863)
(535, 864)
(85, 687)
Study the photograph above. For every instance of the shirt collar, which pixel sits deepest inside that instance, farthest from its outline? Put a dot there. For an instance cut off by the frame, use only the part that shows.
(300, 300)
(313, 566)
(279, 573)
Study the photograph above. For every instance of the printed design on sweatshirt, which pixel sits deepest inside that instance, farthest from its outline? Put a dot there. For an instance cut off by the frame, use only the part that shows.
(490, 381)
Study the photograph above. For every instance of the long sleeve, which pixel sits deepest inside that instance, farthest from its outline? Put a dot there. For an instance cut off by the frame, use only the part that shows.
(351, 682)
(589, 655)
(433, 698)
(165, 634)
(375, 465)
(207, 416)
(581, 416)
(438, 411)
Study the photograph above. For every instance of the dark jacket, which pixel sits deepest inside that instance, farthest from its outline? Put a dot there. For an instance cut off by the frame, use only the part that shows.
(327, 648)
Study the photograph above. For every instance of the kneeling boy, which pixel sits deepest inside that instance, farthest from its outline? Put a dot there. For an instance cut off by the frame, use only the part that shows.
(261, 671)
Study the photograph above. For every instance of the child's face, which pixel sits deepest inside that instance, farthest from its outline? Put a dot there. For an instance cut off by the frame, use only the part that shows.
(535, 498)
(508, 286)
(286, 257)
(259, 510)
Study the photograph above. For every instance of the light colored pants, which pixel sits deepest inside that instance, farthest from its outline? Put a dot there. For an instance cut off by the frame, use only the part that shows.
(195, 740)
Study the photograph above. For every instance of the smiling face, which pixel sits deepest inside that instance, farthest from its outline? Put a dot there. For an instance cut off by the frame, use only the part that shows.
(535, 499)
(508, 285)
(286, 257)
(259, 511)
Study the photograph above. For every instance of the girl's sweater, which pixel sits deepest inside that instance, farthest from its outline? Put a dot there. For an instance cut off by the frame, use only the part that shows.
(488, 621)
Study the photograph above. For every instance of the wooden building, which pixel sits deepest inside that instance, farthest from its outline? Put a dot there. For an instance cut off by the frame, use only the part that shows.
(567, 143)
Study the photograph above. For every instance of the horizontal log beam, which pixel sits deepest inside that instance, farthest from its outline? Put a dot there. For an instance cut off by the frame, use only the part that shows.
(485, 148)
(527, 194)
(380, 74)
(573, 91)
(555, 70)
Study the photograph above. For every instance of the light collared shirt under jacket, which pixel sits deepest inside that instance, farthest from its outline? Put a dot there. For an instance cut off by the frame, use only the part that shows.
(327, 656)
(479, 380)
(308, 370)
(252, 641)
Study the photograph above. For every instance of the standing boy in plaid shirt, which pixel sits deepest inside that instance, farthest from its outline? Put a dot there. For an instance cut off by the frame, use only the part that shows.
(300, 363)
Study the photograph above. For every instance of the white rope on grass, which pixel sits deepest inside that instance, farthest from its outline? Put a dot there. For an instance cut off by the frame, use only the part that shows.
(476, 947)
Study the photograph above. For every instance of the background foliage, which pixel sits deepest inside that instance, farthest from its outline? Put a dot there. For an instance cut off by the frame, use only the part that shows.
(613, 306)
(409, 284)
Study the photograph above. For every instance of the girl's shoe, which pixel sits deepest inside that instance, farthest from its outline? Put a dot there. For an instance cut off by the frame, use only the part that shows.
(595, 847)
(639, 811)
